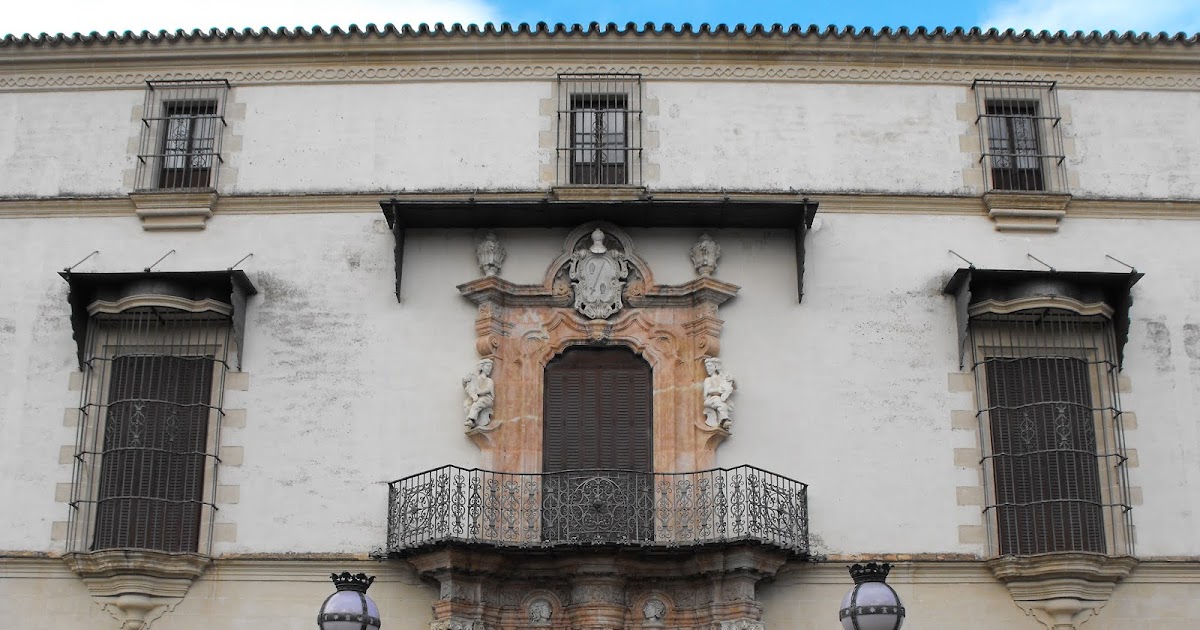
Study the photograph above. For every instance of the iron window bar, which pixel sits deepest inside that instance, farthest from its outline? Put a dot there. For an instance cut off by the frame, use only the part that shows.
(1020, 135)
(183, 123)
(581, 508)
(599, 129)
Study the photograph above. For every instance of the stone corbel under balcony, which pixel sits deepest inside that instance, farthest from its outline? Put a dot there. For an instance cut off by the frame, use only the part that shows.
(1026, 212)
(137, 587)
(174, 210)
(1062, 590)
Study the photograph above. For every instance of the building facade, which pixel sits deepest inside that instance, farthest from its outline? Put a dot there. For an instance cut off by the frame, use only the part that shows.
(591, 328)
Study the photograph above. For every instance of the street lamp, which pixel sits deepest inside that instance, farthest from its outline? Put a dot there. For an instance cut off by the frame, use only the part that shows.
(349, 608)
(871, 604)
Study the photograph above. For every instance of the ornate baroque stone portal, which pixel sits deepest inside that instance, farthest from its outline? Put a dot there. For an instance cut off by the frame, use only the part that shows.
(598, 291)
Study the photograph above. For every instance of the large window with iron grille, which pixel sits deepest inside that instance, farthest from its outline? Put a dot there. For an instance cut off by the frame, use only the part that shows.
(150, 409)
(1049, 420)
(1020, 134)
(599, 129)
(182, 126)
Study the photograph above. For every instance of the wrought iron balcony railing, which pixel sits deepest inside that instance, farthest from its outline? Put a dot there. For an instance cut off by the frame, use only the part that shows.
(597, 508)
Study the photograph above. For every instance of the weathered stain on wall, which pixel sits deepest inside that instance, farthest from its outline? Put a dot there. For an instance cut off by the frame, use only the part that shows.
(1158, 344)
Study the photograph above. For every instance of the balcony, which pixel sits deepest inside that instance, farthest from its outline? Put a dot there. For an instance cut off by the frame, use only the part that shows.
(451, 506)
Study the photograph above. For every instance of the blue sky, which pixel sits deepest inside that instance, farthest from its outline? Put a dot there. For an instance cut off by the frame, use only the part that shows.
(68, 16)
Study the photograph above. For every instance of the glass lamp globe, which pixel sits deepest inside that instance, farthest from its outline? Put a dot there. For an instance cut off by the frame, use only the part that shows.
(349, 608)
(871, 604)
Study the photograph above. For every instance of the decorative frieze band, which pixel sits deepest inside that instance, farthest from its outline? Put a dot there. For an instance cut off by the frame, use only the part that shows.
(295, 74)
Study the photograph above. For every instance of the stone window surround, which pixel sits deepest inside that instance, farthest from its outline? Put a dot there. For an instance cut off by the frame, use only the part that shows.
(1060, 590)
(138, 586)
(554, 172)
(1016, 211)
(184, 209)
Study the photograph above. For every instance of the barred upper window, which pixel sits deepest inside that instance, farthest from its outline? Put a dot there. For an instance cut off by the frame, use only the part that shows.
(599, 129)
(182, 125)
(1020, 135)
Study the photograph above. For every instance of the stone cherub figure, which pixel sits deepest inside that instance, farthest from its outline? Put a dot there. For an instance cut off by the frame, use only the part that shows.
(718, 387)
(481, 394)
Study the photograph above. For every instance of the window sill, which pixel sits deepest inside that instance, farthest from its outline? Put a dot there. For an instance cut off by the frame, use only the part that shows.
(137, 586)
(1026, 211)
(1062, 590)
(588, 192)
(174, 209)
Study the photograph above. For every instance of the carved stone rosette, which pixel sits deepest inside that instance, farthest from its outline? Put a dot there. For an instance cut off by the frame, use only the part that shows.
(523, 326)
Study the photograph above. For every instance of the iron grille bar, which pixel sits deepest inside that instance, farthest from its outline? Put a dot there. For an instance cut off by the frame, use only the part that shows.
(1054, 461)
(597, 508)
(599, 129)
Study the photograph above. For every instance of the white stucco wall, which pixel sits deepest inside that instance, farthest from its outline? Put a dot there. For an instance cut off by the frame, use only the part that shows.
(1134, 143)
(66, 143)
(467, 135)
(352, 138)
(847, 391)
(809, 136)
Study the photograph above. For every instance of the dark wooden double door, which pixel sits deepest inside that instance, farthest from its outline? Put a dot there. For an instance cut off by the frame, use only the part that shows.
(597, 447)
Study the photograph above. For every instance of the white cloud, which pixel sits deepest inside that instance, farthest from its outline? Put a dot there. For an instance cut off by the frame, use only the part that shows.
(85, 16)
(1151, 16)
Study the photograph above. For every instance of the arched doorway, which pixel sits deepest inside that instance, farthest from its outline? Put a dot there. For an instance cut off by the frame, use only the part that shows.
(597, 446)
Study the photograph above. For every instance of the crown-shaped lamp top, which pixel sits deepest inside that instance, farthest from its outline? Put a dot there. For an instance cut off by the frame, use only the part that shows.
(870, 572)
(358, 582)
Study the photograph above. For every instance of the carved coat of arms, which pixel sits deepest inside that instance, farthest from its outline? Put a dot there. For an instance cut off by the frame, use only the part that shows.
(597, 276)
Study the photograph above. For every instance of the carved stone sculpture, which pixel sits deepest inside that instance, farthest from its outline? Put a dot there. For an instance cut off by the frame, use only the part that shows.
(718, 387)
(654, 611)
(481, 395)
(705, 254)
(597, 275)
(539, 611)
(490, 254)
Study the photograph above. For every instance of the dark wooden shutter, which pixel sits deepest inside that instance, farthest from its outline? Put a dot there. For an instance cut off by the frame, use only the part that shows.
(152, 467)
(598, 428)
(598, 411)
(1044, 456)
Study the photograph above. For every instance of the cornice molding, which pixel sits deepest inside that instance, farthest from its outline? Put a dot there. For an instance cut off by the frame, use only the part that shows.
(246, 67)
(287, 567)
(368, 203)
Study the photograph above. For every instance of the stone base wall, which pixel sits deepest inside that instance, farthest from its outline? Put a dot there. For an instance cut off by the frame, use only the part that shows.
(284, 594)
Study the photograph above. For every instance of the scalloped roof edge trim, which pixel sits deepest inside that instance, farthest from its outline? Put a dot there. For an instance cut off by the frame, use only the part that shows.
(974, 34)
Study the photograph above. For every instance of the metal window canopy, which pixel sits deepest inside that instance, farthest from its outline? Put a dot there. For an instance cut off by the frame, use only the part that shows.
(719, 211)
(970, 286)
(230, 287)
